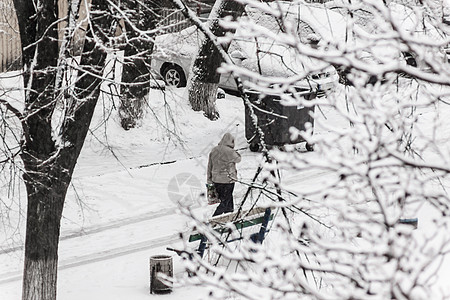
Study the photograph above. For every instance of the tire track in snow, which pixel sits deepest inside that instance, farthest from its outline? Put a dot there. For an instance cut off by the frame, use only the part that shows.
(131, 248)
(111, 225)
(292, 179)
(100, 256)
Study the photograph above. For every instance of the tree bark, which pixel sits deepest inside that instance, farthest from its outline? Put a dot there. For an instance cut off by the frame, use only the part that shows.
(137, 58)
(46, 193)
(49, 166)
(204, 79)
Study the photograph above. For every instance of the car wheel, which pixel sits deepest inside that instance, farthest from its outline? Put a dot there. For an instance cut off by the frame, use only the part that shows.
(173, 75)
(254, 147)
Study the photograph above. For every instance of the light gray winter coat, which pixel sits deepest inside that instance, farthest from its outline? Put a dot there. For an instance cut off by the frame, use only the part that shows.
(222, 161)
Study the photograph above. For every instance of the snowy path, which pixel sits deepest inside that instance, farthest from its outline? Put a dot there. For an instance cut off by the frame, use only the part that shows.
(111, 224)
(119, 206)
(104, 242)
(97, 229)
(148, 230)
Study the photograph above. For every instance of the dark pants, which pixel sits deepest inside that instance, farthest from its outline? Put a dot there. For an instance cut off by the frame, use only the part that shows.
(225, 192)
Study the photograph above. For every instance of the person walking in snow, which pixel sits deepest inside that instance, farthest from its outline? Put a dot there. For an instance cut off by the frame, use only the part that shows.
(222, 172)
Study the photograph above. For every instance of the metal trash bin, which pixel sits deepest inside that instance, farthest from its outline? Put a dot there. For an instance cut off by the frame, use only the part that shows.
(160, 264)
(275, 119)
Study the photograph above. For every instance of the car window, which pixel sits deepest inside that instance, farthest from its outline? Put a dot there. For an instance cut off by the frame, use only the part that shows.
(305, 32)
(360, 17)
(307, 35)
(266, 20)
(184, 42)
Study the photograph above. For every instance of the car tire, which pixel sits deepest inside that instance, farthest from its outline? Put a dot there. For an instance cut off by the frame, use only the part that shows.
(254, 147)
(174, 75)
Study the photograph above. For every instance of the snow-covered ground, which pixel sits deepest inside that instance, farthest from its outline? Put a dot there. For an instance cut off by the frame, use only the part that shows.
(121, 208)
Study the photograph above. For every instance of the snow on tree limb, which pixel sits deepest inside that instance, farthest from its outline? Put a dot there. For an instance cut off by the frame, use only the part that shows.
(382, 159)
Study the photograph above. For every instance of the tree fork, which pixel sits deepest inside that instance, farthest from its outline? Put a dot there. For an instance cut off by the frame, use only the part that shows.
(49, 166)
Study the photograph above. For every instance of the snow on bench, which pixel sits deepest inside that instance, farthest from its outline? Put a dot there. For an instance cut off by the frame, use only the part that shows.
(241, 219)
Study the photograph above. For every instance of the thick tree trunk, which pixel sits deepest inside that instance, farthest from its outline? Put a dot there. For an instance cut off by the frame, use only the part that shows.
(204, 79)
(44, 210)
(46, 195)
(137, 57)
(202, 96)
(48, 166)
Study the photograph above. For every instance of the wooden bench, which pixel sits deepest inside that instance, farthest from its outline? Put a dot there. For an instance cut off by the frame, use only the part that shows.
(239, 219)
(411, 221)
